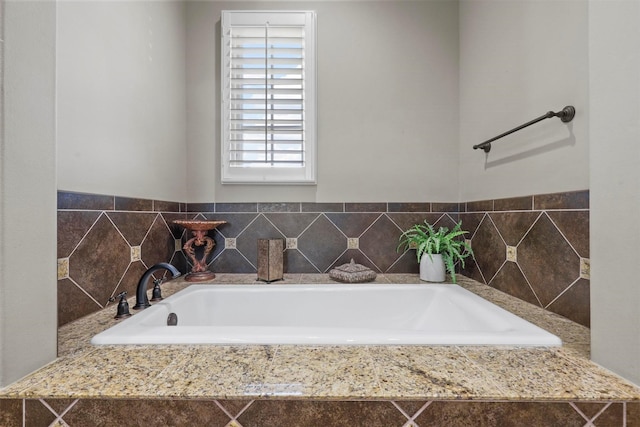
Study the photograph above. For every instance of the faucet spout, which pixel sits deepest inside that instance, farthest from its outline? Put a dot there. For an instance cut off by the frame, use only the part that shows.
(142, 301)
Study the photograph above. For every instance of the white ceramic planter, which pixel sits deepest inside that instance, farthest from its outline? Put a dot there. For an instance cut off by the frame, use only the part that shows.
(432, 268)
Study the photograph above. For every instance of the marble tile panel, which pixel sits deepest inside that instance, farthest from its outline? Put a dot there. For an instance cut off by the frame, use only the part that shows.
(291, 224)
(203, 207)
(165, 206)
(380, 241)
(529, 372)
(353, 224)
(489, 249)
(479, 206)
(365, 207)
(73, 302)
(574, 225)
(513, 225)
(234, 207)
(216, 371)
(322, 243)
(445, 207)
(435, 372)
(574, 303)
(159, 243)
(326, 372)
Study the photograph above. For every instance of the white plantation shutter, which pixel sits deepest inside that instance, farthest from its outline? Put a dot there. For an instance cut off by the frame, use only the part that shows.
(268, 97)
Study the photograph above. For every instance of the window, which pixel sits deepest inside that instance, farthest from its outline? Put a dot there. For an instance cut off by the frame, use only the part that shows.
(268, 97)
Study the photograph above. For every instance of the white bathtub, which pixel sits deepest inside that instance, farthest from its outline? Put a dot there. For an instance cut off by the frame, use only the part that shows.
(426, 314)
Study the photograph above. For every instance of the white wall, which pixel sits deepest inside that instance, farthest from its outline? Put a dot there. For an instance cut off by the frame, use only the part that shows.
(387, 102)
(28, 313)
(614, 51)
(518, 60)
(121, 98)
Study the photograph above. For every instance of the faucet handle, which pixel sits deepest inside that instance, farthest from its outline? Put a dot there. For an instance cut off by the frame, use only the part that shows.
(123, 305)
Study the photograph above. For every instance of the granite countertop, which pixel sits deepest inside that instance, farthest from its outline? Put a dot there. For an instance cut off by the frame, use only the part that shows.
(327, 372)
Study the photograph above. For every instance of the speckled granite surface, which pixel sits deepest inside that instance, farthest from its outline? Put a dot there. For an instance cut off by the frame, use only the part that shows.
(331, 372)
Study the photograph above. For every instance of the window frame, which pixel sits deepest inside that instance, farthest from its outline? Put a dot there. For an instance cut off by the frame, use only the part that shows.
(306, 174)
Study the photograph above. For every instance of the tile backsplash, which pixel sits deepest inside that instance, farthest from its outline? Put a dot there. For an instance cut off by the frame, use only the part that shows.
(105, 243)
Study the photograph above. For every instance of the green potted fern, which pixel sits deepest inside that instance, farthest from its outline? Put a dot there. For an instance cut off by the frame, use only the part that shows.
(437, 251)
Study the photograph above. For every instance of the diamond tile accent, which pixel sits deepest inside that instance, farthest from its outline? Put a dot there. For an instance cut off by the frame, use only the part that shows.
(513, 225)
(230, 243)
(159, 244)
(177, 245)
(585, 268)
(136, 253)
(292, 243)
(63, 268)
(353, 243)
(512, 254)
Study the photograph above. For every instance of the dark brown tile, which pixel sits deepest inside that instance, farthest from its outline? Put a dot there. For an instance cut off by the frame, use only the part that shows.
(304, 413)
(480, 206)
(102, 412)
(291, 224)
(409, 207)
(408, 220)
(611, 413)
(410, 407)
(11, 412)
(322, 243)
(575, 227)
(60, 405)
(236, 222)
(278, 207)
(633, 414)
(547, 261)
(176, 230)
(133, 204)
(365, 207)
(470, 222)
(513, 225)
(159, 244)
(134, 226)
(72, 227)
(247, 241)
(445, 221)
(568, 200)
(513, 204)
(201, 207)
(295, 262)
(407, 263)
(235, 207)
(503, 414)
(472, 271)
(73, 303)
(129, 282)
(92, 202)
(380, 241)
(100, 260)
(231, 261)
(489, 250)
(445, 207)
(163, 206)
(352, 224)
(574, 303)
(612, 416)
(36, 414)
(322, 207)
(233, 406)
(510, 280)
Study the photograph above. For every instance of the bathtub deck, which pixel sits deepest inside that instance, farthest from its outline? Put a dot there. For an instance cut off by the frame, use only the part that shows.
(335, 372)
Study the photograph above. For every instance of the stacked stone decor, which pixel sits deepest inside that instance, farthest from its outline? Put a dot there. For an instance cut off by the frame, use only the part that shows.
(530, 247)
